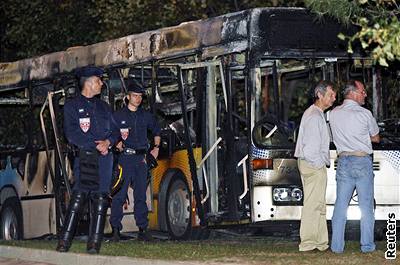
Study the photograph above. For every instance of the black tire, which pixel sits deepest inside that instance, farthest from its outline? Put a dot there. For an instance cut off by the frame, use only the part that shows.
(178, 205)
(178, 214)
(11, 220)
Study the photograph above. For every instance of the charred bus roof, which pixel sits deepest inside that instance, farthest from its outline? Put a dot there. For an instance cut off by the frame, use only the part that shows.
(263, 32)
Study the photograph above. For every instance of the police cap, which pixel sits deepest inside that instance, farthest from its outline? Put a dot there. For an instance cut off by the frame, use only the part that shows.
(133, 85)
(89, 71)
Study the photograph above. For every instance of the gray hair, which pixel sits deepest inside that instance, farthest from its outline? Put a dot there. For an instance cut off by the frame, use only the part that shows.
(350, 86)
(321, 87)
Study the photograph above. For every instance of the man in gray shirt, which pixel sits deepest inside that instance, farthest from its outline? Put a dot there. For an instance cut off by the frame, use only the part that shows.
(353, 130)
(312, 151)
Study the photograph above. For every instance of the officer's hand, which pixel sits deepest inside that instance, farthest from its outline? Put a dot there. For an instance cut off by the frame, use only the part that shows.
(120, 146)
(102, 146)
(104, 152)
(155, 151)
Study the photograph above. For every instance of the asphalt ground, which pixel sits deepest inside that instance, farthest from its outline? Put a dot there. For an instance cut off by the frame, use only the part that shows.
(27, 256)
(5, 261)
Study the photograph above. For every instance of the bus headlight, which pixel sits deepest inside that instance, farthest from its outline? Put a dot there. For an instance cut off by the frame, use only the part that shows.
(297, 194)
(287, 195)
(282, 194)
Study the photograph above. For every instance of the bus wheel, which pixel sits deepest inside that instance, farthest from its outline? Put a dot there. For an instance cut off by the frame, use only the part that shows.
(11, 220)
(178, 209)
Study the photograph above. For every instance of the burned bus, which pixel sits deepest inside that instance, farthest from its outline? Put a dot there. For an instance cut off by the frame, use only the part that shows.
(229, 93)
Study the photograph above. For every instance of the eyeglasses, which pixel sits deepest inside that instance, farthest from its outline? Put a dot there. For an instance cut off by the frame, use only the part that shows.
(362, 92)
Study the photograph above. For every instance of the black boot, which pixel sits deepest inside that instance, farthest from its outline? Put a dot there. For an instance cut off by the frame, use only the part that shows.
(74, 211)
(144, 235)
(115, 234)
(98, 213)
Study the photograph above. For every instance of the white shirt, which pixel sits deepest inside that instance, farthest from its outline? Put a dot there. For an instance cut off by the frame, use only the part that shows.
(352, 127)
(313, 140)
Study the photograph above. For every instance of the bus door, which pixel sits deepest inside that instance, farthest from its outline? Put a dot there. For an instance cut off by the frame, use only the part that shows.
(218, 181)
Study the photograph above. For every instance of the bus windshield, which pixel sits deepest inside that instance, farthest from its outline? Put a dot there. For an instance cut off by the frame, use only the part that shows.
(286, 91)
(282, 97)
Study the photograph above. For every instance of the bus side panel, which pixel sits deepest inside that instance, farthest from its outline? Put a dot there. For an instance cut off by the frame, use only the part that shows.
(386, 186)
(386, 192)
(39, 217)
(37, 200)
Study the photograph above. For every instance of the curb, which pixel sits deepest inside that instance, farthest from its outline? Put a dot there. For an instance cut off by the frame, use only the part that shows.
(54, 257)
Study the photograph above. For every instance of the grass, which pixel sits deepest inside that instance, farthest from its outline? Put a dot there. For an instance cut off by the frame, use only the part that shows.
(238, 250)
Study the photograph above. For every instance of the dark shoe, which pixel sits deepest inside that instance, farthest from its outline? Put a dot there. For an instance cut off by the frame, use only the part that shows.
(62, 246)
(92, 248)
(71, 221)
(116, 236)
(144, 235)
(98, 211)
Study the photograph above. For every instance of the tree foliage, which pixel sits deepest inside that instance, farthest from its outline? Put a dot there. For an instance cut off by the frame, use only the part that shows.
(35, 27)
(378, 21)
(30, 28)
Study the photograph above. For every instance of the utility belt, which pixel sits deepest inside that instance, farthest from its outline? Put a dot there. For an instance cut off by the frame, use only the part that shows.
(131, 151)
(73, 149)
(353, 153)
(78, 152)
(88, 152)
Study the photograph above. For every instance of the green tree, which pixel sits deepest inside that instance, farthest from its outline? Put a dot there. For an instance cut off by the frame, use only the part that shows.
(124, 17)
(378, 22)
(31, 28)
(35, 27)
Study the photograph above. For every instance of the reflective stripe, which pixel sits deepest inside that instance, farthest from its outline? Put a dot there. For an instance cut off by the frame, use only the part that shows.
(119, 177)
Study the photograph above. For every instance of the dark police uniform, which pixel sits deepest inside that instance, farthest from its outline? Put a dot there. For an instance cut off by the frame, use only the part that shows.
(87, 120)
(133, 126)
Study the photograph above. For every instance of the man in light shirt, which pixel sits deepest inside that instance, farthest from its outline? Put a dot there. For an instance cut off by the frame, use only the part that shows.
(353, 129)
(312, 151)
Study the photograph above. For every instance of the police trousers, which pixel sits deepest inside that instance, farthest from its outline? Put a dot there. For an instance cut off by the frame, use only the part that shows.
(134, 172)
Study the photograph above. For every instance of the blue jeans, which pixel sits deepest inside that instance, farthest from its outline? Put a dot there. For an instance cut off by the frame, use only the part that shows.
(354, 172)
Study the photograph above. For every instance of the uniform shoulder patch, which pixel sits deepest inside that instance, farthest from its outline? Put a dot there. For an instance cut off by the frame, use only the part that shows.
(84, 123)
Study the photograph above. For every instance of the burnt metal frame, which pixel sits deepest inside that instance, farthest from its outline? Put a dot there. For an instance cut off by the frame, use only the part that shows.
(245, 27)
(192, 162)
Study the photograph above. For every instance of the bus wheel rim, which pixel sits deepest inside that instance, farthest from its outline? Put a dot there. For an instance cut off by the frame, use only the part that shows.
(178, 209)
(10, 224)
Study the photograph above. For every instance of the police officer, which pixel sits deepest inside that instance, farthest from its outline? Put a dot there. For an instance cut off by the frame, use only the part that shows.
(90, 128)
(134, 123)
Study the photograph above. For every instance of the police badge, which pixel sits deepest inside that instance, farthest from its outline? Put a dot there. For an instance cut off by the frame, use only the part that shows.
(124, 133)
(84, 123)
